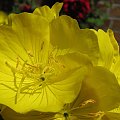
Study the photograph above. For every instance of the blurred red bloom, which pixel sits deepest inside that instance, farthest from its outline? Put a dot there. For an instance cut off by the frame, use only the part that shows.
(25, 7)
(77, 9)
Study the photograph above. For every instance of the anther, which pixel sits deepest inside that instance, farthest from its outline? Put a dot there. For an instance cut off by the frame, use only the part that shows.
(65, 114)
(42, 78)
(42, 45)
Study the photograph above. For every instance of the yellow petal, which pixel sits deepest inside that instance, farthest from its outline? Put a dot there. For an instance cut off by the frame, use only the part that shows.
(106, 49)
(45, 12)
(99, 93)
(116, 110)
(104, 88)
(32, 33)
(110, 116)
(9, 45)
(48, 13)
(114, 43)
(66, 34)
(56, 8)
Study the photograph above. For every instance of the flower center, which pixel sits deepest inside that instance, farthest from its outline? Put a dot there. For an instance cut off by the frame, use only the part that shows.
(29, 79)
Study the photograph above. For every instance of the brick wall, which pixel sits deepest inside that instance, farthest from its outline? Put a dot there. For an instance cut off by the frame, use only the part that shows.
(114, 18)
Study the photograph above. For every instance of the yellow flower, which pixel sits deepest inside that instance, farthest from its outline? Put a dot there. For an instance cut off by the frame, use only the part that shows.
(46, 61)
(39, 65)
(3, 18)
(98, 94)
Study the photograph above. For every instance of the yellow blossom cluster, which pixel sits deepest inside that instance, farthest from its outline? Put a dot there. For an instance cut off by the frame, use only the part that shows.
(50, 69)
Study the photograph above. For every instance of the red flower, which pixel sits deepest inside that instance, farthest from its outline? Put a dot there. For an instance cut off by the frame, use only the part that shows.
(25, 7)
(77, 9)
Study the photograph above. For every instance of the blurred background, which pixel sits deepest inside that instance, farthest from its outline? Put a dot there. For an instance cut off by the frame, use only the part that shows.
(89, 13)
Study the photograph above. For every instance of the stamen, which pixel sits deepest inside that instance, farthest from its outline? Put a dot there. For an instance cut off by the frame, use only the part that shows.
(42, 78)
(24, 71)
(14, 72)
(83, 104)
(98, 114)
(19, 88)
(87, 101)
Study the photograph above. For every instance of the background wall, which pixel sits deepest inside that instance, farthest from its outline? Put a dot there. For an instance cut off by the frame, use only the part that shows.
(114, 19)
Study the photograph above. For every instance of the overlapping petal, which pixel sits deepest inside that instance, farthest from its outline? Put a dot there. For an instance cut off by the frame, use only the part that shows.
(66, 34)
(108, 97)
(114, 43)
(114, 67)
(49, 13)
(112, 60)
(93, 99)
(106, 49)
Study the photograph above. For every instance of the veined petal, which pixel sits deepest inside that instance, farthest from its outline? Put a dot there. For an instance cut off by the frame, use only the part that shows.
(66, 34)
(8, 45)
(34, 40)
(48, 13)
